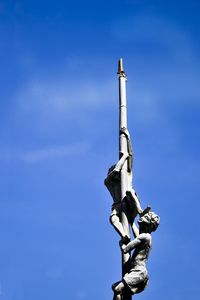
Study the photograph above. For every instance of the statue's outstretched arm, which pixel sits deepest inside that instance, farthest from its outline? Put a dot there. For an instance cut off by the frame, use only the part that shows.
(124, 156)
(136, 242)
(117, 167)
(121, 162)
(125, 131)
(132, 245)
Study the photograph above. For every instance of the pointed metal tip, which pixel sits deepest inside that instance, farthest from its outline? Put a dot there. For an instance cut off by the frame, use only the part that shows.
(120, 66)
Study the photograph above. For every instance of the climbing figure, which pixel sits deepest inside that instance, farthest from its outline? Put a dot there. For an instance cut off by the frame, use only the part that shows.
(136, 279)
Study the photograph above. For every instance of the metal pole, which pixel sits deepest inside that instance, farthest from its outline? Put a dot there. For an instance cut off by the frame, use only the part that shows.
(123, 149)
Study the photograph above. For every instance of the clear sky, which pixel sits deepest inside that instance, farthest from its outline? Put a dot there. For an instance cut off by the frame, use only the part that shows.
(59, 135)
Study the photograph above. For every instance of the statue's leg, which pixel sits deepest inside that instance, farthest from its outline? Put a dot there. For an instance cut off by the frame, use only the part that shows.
(117, 297)
(125, 217)
(118, 288)
(116, 223)
(132, 195)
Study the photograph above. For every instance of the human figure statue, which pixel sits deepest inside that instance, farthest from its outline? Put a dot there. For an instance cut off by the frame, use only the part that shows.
(130, 204)
(136, 279)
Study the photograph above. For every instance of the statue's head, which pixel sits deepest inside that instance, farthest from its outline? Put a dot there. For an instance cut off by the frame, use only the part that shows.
(149, 221)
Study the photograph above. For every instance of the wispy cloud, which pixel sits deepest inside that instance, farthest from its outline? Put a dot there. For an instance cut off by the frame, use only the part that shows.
(62, 98)
(55, 152)
(46, 153)
(49, 104)
(52, 102)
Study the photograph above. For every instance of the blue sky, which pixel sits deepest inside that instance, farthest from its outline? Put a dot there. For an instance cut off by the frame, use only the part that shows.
(59, 127)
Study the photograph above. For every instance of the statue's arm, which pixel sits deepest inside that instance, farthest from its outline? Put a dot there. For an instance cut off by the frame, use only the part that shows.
(132, 245)
(124, 156)
(121, 162)
(125, 131)
(116, 169)
(143, 237)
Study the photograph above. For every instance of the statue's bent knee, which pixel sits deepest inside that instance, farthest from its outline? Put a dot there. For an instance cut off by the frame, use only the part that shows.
(114, 219)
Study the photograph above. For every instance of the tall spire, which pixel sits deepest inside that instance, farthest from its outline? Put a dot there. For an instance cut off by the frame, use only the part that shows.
(124, 171)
